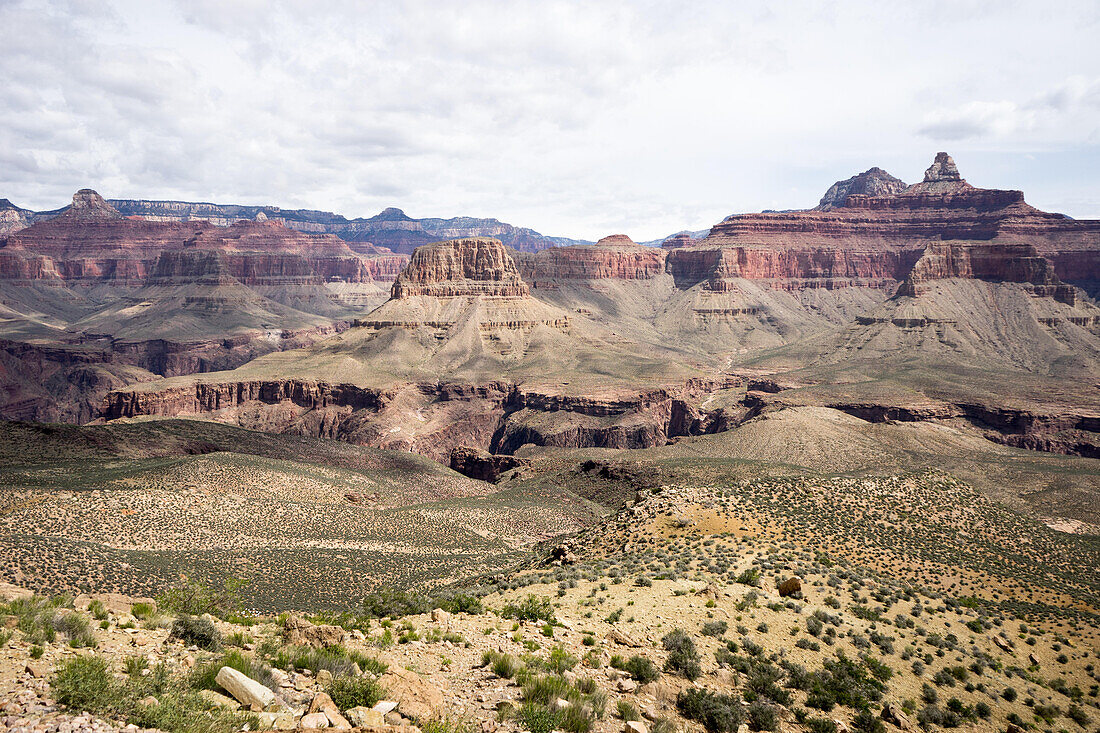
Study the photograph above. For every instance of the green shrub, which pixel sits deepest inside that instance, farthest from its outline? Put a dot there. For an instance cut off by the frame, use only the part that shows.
(194, 598)
(203, 675)
(349, 692)
(749, 577)
(821, 725)
(641, 669)
(97, 609)
(626, 710)
(560, 660)
(336, 659)
(37, 651)
(532, 608)
(536, 718)
(142, 611)
(715, 628)
(199, 632)
(83, 683)
(503, 665)
(717, 712)
(867, 722)
(446, 725)
(841, 681)
(762, 716)
(682, 656)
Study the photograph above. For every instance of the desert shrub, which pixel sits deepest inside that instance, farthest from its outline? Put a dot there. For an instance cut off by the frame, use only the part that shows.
(536, 718)
(134, 666)
(199, 632)
(504, 666)
(820, 725)
(717, 712)
(97, 609)
(531, 608)
(203, 675)
(626, 710)
(1047, 713)
(194, 598)
(443, 724)
(866, 722)
(83, 683)
(42, 619)
(641, 669)
(762, 716)
(560, 660)
(76, 627)
(336, 659)
(750, 576)
(841, 681)
(142, 611)
(683, 658)
(944, 678)
(715, 628)
(349, 692)
(393, 603)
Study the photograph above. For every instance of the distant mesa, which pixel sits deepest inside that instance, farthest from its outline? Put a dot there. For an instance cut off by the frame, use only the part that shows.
(871, 182)
(680, 239)
(616, 240)
(471, 266)
(87, 204)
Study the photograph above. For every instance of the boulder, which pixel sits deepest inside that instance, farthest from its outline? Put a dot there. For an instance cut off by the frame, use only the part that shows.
(621, 637)
(635, 726)
(789, 587)
(277, 721)
(38, 670)
(894, 715)
(385, 706)
(218, 700)
(9, 592)
(299, 632)
(364, 717)
(440, 616)
(416, 698)
(244, 688)
(322, 703)
(313, 721)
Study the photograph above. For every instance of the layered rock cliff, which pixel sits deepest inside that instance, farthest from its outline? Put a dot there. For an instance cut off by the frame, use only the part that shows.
(461, 267)
(871, 182)
(613, 257)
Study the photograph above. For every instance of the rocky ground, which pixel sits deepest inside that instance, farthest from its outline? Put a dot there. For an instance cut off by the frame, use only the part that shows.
(683, 612)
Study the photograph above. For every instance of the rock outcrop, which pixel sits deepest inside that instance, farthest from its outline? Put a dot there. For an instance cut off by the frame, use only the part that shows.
(478, 266)
(871, 182)
(613, 257)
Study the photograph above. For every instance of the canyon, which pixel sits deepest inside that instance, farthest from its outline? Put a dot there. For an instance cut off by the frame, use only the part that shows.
(887, 301)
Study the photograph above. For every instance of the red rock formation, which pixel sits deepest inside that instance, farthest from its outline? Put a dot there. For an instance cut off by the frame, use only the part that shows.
(1019, 263)
(91, 243)
(871, 182)
(461, 267)
(616, 256)
(683, 239)
(882, 236)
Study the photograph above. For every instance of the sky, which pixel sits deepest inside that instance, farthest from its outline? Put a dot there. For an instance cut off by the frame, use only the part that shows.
(577, 119)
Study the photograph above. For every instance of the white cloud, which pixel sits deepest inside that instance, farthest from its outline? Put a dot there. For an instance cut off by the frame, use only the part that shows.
(574, 118)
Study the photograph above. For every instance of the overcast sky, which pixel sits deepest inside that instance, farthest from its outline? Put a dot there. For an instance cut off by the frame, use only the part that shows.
(575, 118)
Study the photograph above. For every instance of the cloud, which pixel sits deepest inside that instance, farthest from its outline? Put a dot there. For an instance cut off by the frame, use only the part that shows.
(570, 117)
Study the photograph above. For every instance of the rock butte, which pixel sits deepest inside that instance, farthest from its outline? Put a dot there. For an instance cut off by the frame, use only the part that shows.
(647, 332)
